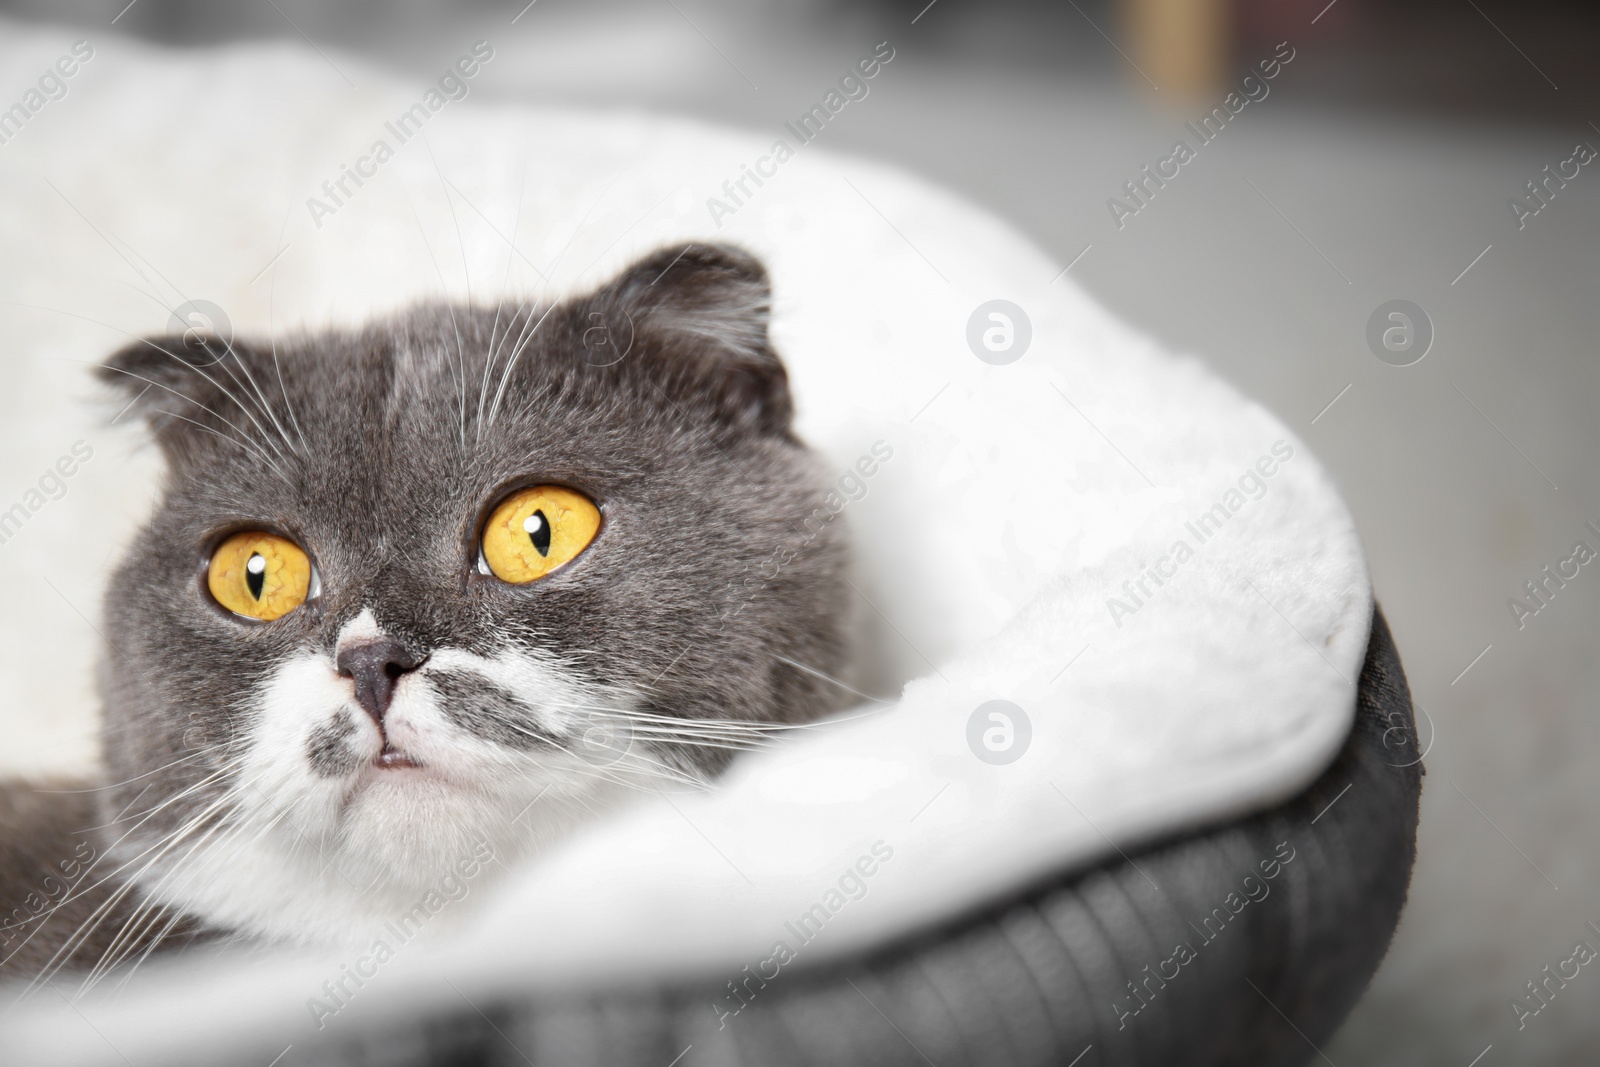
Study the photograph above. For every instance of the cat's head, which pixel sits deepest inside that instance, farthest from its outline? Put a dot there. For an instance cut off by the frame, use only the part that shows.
(455, 578)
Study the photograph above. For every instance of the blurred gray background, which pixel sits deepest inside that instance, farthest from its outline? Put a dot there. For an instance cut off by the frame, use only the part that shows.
(1381, 166)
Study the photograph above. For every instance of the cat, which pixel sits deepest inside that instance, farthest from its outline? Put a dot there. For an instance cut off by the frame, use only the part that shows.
(442, 587)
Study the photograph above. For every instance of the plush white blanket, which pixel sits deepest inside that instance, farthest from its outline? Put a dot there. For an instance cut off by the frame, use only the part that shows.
(1150, 566)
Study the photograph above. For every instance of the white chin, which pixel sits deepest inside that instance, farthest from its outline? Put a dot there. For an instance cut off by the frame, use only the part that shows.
(331, 844)
(395, 838)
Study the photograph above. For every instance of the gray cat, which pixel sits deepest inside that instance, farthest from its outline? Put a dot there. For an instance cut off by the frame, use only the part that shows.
(440, 588)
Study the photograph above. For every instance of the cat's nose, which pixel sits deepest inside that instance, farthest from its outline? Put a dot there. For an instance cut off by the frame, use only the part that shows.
(375, 666)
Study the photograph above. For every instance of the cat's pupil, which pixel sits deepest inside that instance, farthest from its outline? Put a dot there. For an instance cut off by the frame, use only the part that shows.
(538, 530)
(255, 574)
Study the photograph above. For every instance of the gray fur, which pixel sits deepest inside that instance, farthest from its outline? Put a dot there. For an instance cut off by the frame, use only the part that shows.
(328, 749)
(488, 711)
(380, 451)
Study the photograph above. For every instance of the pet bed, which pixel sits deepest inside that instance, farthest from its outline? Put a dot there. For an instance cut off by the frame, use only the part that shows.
(1100, 798)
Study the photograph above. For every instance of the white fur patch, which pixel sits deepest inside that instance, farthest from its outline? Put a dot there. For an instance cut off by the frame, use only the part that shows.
(313, 858)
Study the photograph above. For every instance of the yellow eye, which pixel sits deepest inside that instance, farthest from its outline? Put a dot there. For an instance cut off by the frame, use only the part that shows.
(259, 575)
(536, 530)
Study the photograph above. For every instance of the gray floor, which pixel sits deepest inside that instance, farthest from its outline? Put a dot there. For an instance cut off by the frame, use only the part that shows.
(1468, 472)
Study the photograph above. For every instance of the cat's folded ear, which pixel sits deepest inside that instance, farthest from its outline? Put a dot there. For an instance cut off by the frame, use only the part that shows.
(176, 383)
(698, 315)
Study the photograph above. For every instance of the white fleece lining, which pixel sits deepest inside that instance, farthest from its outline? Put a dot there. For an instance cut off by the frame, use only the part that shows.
(1017, 502)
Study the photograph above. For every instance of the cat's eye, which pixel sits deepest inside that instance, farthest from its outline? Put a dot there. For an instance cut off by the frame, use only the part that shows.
(259, 575)
(534, 531)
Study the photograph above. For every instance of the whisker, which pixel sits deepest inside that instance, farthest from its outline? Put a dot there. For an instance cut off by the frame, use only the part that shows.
(261, 401)
(231, 351)
(457, 378)
(186, 365)
(105, 909)
(150, 948)
(244, 441)
(830, 678)
(80, 893)
(262, 456)
(149, 910)
(127, 938)
(505, 377)
(516, 224)
(129, 781)
(272, 318)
